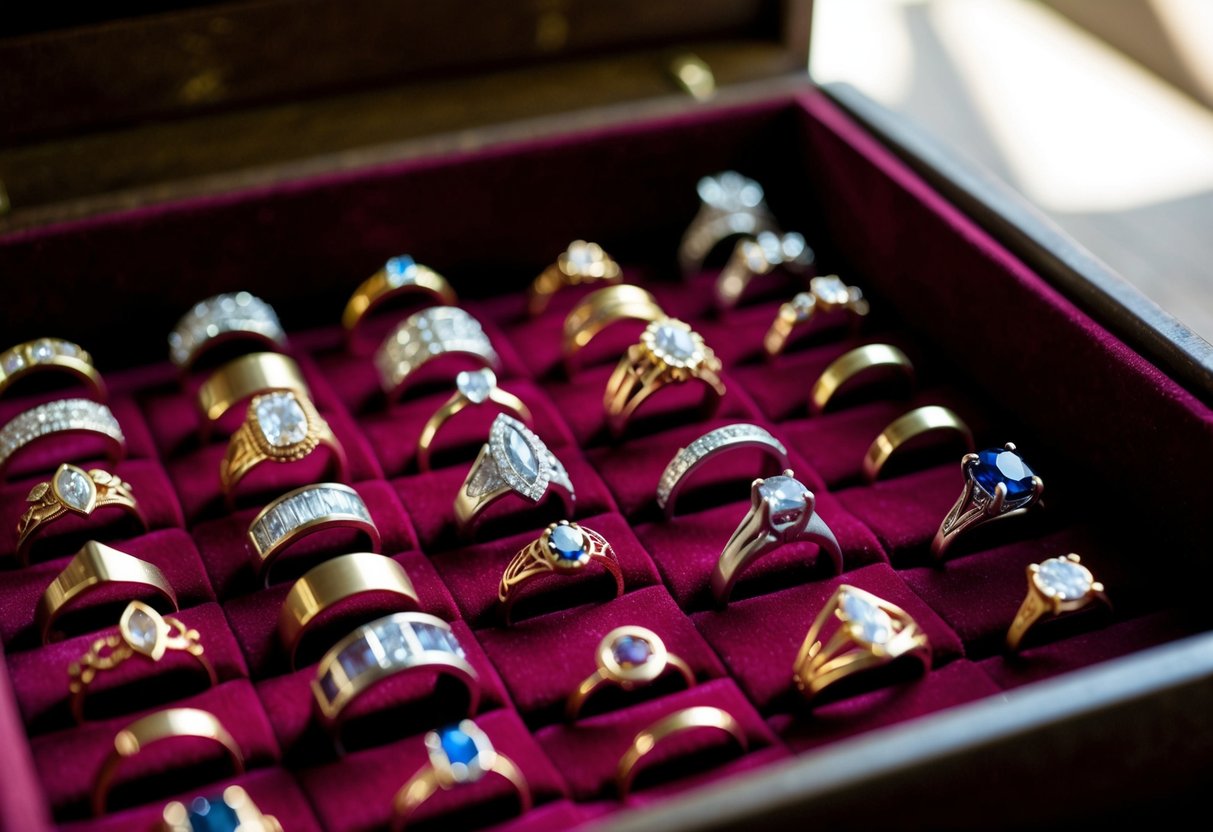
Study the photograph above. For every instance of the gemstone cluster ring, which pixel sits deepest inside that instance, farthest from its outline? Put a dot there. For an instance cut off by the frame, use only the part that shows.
(582, 263)
(427, 336)
(998, 484)
(628, 657)
(46, 355)
(62, 417)
(711, 446)
(472, 388)
(231, 811)
(1055, 586)
(826, 294)
(760, 256)
(224, 318)
(459, 754)
(565, 548)
(781, 511)
(730, 205)
(868, 632)
(72, 491)
(400, 276)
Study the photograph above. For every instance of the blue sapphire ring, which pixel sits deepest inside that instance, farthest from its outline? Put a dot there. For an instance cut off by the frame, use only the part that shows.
(998, 484)
(232, 811)
(782, 510)
(565, 548)
(1055, 586)
(459, 755)
(628, 657)
(400, 276)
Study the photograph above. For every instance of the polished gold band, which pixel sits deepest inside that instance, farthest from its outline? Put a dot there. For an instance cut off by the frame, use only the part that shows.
(601, 308)
(400, 276)
(245, 377)
(849, 366)
(72, 490)
(908, 426)
(643, 744)
(50, 355)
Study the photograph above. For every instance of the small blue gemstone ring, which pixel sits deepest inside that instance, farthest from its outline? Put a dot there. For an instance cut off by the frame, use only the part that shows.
(628, 657)
(231, 811)
(459, 754)
(998, 484)
(565, 548)
(400, 276)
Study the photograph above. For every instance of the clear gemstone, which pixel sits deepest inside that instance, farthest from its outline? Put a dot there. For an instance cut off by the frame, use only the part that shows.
(68, 348)
(74, 487)
(1064, 578)
(830, 289)
(356, 658)
(803, 303)
(674, 341)
(476, 385)
(580, 255)
(42, 350)
(522, 457)
(13, 362)
(391, 638)
(871, 623)
(568, 542)
(631, 651)
(459, 748)
(142, 631)
(282, 420)
(785, 496)
(730, 191)
(431, 636)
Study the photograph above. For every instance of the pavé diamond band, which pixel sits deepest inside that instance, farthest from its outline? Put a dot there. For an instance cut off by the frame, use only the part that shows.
(221, 319)
(63, 417)
(711, 446)
(426, 336)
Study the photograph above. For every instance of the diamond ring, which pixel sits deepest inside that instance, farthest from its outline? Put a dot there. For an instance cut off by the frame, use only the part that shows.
(760, 256)
(513, 461)
(582, 263)
(49, 354)
(908, 427)
(63, 417)
(565, 549)
(399, 277)
(708, 447)
(679, 722)
(231, 811)
(869, 632)
(1055, 586)
(628, 657)
(730, 205)
(72, 491)
(601, 308)
(998, 484)
(425, 336)
(458, 754)
(781, 511)
(221, 319)
(826, 294)
(472, 387)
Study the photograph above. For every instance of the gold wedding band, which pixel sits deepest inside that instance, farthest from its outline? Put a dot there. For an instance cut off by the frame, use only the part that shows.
(72, 490)
(246, 376)
(601, 308)
(581, 263)
(918, 422)
(848, 368)
(50, 355)
(399, 276)
(643, 744)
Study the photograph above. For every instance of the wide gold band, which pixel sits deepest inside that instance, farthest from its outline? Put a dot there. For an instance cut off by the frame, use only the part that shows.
(400, 276)
(625, 675)
(458, 402)
(643, 744)
(918, 422)
(157, 727)
(582, 263)
(50, 355)
(72, 490)
(329, 584)
(601, 308)
(538, 558)
(95, 567)
(850, 366)
(245, 377)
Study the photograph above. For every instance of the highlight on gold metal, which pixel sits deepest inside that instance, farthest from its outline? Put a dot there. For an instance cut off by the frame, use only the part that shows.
(581, 263)
(854, 365)
(679, 722)
(45, 355)
(601, 308)
(694, 75)
(246, 376)
(909, 426)
(400, 277)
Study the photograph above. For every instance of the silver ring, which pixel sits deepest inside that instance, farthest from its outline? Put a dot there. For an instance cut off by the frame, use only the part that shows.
(709, 446)
(730, 204)
(224, 318)
(762, 255)
(64, 416)
(426, 335)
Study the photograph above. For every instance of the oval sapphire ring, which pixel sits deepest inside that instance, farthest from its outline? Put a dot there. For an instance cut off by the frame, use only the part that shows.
(628, 657)
(998, 484)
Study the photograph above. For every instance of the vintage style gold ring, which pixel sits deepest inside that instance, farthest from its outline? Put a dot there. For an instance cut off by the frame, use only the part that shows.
(669, 352)
(312, 508)
(711, 446)
(781, 511)
(998, 484)
(601, 308)
(759, 256)
(870, 632)
(244, 377)
(221, 319)
(281, 426)
(628, 657)
(96, 567)
(62, 417)
(580, 264)
(679, 722)
(72, 490)
(564, 548)
(425, 336)
(459, 754)
(233, 805)
(472, 387)
(730, 205)
(909, 426)
(142, 631)
(1055, 586)
(826, 294)
(848, 368)
(334, 582)
(46, 355)
(513, 461)
(399, 277)
(157, 727)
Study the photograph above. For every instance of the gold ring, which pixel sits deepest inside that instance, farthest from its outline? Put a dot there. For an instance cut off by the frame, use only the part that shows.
(826, 294)
(50, 354)
(669, 352)
(246, 376)
(998, 484)
(601, 308)
(918, 422)
(459, 754)
(851, 365)
(472, 387)
(870, 632)
(565, 549)
(730, 205)
(221, 319)
(628, 657)
(398, 643)
(581, 263)
(399, 276)
(514, 461)
(1055, 586)
(759, 256)
(281, 426)
(62, 417)
(94, 567)
(326, 585)
(141, 631)
(701, 716)
(296, 514)
(235, 802)
(75, 491)
(427, 336)
(157, 727)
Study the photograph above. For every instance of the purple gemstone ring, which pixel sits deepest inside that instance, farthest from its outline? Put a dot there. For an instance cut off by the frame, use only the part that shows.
(628, 657)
